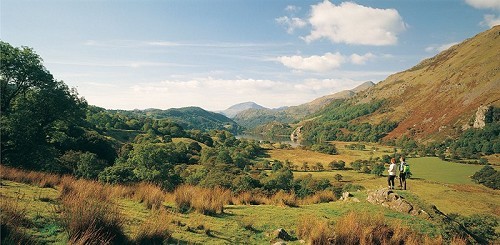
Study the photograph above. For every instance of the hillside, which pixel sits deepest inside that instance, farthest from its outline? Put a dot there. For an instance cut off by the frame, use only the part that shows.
(194, 118)
(257, 117)
(437, 99)
(235, 109)
(440, 96)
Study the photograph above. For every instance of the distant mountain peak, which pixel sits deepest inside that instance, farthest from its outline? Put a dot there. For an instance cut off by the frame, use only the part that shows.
(235, 109)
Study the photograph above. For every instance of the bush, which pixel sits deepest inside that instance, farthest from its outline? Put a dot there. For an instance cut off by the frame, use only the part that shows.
(487, 176)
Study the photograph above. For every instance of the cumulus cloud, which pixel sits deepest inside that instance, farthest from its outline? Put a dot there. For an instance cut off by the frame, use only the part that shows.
(361, 59)
(314, 63)
(291, 23)
(323, 63)
(439, 48)
(484, 4)
(490, 20)
(354, 24)
(216, 94)
(292, 9)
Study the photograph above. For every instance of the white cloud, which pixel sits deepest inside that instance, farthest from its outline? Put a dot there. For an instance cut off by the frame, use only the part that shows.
(361, 59)
(491, 20)
(292, 9)
(324, 63)
(291, 23)
(354, 24)
(214, 93)
(440, 48)
(314, 63)
(484, 4)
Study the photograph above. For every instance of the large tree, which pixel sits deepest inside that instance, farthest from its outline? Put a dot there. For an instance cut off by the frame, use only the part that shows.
(38, 112)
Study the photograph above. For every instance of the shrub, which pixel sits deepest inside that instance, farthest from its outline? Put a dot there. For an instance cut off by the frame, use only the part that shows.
(314, 230)
(487, 176)
(282, 198)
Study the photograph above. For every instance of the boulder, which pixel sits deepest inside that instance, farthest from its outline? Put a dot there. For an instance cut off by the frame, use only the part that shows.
(280, 234)
(392, 200)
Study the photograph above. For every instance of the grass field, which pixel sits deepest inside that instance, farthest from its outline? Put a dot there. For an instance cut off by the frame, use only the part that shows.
(434, 169)
(240, 224)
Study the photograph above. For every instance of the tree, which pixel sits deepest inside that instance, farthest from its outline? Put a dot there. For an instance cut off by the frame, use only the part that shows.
(38, 112)
(21, 69)
(338, 177)
(378, 169)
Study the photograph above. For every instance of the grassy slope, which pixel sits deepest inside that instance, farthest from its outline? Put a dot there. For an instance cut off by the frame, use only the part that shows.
(444, 184)
(239, 224)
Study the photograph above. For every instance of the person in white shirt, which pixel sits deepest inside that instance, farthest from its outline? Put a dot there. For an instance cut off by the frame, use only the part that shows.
(392, 173)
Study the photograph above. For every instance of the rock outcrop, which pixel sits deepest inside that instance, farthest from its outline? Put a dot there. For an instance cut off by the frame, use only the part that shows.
(480, 120)
(392, 200)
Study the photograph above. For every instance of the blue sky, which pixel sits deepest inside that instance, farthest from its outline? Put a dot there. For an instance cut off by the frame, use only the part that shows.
(213, 54)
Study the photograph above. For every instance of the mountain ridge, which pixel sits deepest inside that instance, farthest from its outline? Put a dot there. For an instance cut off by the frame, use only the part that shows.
(438, 98)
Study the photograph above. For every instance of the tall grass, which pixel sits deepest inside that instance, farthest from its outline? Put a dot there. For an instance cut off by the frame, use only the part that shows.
(88, 215)
(151, 195)
(40, 179)
(155, 230)
(283, 199)
(314, 230)
(13, 221)
(363, 228)
(203, 200)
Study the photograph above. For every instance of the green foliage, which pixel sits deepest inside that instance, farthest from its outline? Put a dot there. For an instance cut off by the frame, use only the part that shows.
(335, 122)
(282, 179)
(473, 142)
(339, 165)
(482, 226)
(307, 185)
(378, 169)
(487, 176)
(325, 147)
(38, 112)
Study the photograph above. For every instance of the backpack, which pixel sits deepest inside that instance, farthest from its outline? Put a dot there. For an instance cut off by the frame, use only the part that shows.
(406, 170)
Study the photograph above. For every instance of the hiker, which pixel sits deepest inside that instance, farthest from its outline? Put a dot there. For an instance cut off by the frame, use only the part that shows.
(392, 173)
(402, 173)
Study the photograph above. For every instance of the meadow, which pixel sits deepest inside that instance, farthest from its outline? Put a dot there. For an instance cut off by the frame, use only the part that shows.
(142, 213)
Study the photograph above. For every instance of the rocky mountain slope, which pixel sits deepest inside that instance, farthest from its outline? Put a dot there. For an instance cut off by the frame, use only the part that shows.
(252, 118)
(440, 96)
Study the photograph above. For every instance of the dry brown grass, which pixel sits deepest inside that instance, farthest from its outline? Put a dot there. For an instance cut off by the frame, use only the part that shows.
(88, 214)
(314, 230)
(13, 221)
(155, 230)
(151, 195)
(319, 197)
(40, 179)
(363, 228)
(283, 199)
(203, 200)
(249, 198)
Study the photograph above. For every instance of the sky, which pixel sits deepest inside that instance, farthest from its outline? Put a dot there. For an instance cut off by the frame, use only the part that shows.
(138, 54)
